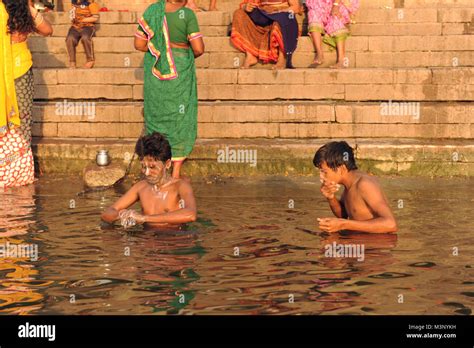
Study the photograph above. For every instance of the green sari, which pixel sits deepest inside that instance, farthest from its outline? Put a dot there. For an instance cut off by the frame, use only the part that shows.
(170, 86)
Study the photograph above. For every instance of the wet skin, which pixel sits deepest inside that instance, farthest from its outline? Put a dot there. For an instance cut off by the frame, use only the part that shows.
(363, 206)
(159, 195)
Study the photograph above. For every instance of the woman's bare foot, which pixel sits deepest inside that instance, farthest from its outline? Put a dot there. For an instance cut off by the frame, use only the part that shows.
(249, 61)
(281, 63)
(317, 62)
(213, 5)
(338, 65)
(177, 169)
(89, 65)
(72, 65)
(278, 66)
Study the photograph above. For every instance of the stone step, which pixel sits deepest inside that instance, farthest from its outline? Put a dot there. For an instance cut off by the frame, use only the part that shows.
(437, 84)
(362, 52)
(289, 119)
(301, 59)
(412, 157)
(359, 29)
(215, 18)
(70, 111)
(232, 60)
(219, 18)
(229, 5)
(379, 43)
(128, 30)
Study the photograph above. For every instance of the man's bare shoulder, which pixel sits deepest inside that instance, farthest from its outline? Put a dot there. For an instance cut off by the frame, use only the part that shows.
(369, 188)
(140, 185)
(183, 183)
(368, 183)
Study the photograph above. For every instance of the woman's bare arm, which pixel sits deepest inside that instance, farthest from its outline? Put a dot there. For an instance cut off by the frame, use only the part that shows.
(197, 46)
(141, 44)
(43, 27)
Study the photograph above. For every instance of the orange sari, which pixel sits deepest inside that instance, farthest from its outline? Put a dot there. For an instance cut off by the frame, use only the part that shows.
(263, 42)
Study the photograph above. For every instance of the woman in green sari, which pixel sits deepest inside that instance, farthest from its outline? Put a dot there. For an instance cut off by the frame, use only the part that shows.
(169, 34)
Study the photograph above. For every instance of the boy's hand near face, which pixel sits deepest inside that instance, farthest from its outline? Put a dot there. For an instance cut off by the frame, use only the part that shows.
(329, 188)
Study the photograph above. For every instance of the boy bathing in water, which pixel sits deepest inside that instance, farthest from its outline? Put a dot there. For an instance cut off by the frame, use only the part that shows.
(363, 206)
(159, 193)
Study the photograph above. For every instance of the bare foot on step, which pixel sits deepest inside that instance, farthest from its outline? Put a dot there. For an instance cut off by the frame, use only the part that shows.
(89, 65)
(338, 65)
(317, 62)
(249, 61)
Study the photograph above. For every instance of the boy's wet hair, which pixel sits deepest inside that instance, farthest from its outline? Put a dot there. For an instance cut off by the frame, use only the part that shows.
(154, 145)
(335, 154)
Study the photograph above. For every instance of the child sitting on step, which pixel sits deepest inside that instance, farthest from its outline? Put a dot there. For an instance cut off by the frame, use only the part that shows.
(330, 17)
(84, 15)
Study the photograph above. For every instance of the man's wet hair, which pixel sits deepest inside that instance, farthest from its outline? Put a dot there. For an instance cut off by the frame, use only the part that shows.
(154, 145)
(335, 154)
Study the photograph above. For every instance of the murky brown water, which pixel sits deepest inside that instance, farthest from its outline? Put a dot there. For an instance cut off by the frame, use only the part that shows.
(279, 266)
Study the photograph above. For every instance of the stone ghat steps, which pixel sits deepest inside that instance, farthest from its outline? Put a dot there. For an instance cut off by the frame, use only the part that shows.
(427, 37)
(436, 84)
(214, 18)
(362, 52)
(387, 22)
(423, 157)
(229, 5)
(367, 5)
(301, 59)
(280, 119)
(124, 24)
(128, 21)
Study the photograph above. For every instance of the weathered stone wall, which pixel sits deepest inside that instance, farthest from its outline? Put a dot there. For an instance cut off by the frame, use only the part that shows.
(410, 76)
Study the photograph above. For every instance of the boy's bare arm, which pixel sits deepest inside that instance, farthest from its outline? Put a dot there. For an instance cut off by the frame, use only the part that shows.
(336, 207)
(384, 222)
(111, 214)
(329, 189)
(180, 216)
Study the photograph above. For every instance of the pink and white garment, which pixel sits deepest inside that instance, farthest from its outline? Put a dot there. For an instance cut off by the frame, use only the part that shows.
(16, 157)
(321, 20)
(16, 160)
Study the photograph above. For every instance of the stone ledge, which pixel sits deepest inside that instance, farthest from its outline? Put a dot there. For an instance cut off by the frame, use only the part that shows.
(408, 157)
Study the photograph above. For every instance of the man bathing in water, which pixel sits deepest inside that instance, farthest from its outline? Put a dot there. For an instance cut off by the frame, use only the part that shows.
(363, 206)
(159, 193)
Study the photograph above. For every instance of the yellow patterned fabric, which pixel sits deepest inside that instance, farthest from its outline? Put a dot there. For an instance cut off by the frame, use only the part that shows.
(9, 115)
(22, 59)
